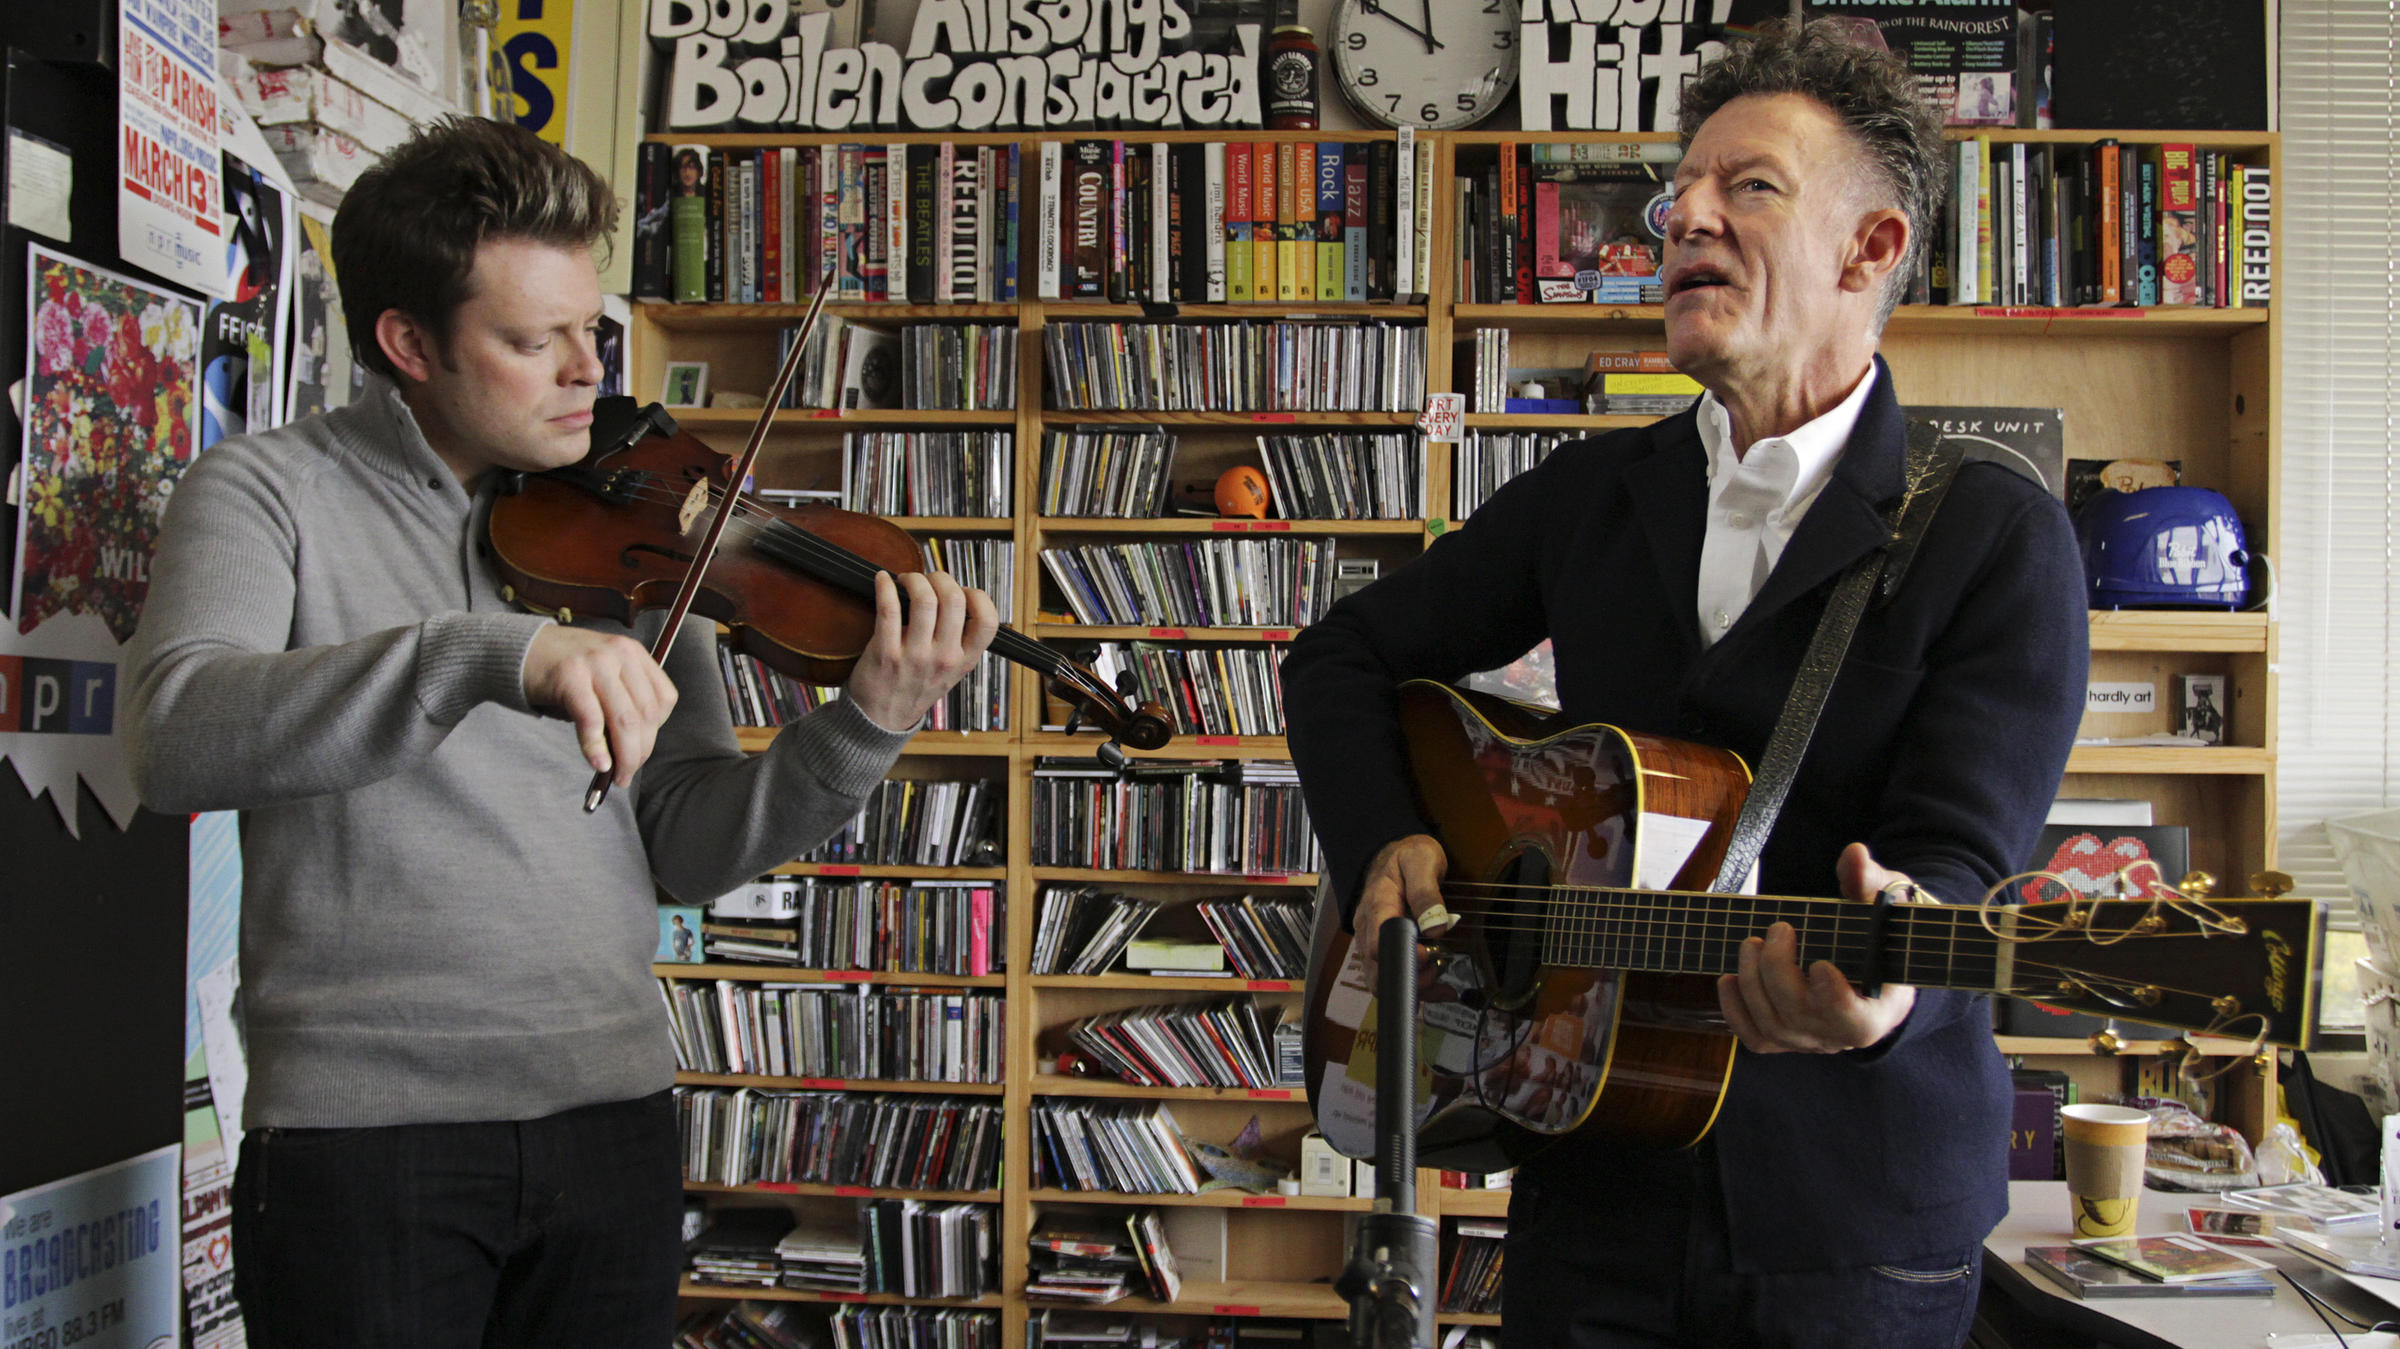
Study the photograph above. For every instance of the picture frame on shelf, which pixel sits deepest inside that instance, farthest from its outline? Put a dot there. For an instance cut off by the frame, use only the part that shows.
(686, 385)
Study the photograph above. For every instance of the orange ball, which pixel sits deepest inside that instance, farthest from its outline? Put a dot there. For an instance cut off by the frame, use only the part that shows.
(1242, 491)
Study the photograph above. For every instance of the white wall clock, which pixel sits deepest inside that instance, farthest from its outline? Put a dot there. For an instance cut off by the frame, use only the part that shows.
(1427, 63)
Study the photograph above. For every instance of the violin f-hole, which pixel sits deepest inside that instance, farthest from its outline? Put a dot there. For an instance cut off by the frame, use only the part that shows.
(626, 556)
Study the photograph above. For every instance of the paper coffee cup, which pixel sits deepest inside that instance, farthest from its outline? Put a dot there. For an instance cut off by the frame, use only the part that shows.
(2105, 1148)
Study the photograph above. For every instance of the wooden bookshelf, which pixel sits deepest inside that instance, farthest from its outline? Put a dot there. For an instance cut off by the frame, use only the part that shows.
(2195, 385)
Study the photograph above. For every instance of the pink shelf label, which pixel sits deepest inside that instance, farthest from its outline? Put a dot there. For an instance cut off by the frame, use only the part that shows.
(1168, 632)
(831, 869)
(1270, 985)
(1233, 1309)
(1273, 417)
(1269, 1094)
(1262, 1201)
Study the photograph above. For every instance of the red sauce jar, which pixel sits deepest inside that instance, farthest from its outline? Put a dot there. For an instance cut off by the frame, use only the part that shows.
(1290, 70)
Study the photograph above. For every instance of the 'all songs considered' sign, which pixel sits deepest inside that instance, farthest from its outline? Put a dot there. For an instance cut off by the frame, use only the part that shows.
(970, 65)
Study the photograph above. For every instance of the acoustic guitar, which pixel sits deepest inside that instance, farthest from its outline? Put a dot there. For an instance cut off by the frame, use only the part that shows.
(1577, 989)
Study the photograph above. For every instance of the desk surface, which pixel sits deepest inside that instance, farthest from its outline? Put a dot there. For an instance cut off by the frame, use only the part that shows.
(2037, 1216)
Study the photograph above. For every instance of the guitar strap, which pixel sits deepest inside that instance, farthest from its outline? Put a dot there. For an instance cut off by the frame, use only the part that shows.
(1932, 462)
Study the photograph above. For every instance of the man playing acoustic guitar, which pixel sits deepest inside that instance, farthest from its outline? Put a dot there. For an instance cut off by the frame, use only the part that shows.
(1858, 1160)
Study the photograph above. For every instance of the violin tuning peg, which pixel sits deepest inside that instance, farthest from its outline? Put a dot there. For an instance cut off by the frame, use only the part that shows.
(1111, 754)
(1126, 686)
(1074, 720)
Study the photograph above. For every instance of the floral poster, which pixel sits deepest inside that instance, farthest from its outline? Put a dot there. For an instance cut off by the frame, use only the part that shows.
(110, 423)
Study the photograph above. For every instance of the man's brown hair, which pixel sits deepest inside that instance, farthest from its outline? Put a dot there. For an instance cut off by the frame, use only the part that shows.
(1875, 97)
(406, 234)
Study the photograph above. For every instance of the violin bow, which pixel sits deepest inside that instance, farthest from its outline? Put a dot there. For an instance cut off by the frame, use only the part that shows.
(701, 556)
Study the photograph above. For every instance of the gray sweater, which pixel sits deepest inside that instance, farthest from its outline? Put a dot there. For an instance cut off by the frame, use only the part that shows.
(432, 929)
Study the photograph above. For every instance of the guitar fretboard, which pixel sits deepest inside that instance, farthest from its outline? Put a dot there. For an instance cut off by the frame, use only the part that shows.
(1929, 945)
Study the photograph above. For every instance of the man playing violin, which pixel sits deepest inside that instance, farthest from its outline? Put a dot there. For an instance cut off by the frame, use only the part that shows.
(447, 1143)
(1859, 1157)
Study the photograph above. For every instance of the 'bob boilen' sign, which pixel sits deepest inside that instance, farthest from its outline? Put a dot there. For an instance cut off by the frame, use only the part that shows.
(970, 65)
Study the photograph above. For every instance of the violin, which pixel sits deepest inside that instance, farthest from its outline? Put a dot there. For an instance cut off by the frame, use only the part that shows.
(620, 533)
(614, 535)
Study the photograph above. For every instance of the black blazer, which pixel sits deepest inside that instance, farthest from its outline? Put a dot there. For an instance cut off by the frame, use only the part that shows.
(1941, 747)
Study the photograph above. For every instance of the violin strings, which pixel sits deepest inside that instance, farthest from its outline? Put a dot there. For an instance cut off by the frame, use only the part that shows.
(838, 564)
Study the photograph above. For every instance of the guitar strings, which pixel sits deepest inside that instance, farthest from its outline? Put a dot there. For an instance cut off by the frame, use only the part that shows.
(1937, 950)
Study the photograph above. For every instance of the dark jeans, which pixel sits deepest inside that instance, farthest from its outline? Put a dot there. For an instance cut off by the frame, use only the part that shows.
(561, 1231)
(1595, 1265)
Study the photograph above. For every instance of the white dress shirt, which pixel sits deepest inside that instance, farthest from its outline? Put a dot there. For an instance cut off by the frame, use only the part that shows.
(1756, 500)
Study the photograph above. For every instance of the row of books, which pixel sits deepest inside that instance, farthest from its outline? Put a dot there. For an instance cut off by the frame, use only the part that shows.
(2104, 224)
(1101, 1259)
(1082, 929)
(845, 365)
(960, 473)
(922, 223)
(893, 1141)
(1536, 227)
(1346, 476)
(759, 696)
(1224, 1042)
(1238, 221)
(1050, 1329)
(920, 822)
(909, 1247)
(1208, 690)
(1237, 366)
(751, 1324)
(1120, 1147)
(1086, 930)
(903, 927)
(1267, 937)
(1240, 581)
(1471, 1274)
(835, 1030)
(1238, 817)
(1487, 459)
(937, 366)
(1109, 472)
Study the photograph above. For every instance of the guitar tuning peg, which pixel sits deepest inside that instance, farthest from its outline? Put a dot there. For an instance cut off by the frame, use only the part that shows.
(2271, 884)
(2107, 1041)
(2197, 885)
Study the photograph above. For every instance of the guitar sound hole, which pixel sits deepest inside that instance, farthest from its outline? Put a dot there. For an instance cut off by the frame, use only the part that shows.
(1516, 944)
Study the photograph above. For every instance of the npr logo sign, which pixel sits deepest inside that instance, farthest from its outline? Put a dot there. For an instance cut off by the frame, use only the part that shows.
(57, 697)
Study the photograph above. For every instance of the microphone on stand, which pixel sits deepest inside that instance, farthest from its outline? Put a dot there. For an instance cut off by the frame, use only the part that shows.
(1390, 1278)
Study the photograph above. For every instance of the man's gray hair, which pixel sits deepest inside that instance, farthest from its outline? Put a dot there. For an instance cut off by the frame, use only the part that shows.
(1871, 92)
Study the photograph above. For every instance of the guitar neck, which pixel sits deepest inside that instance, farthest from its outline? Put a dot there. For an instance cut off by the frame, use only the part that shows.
(1678, 932)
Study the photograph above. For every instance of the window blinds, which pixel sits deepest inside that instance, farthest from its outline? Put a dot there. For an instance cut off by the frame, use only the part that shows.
(2337, 281)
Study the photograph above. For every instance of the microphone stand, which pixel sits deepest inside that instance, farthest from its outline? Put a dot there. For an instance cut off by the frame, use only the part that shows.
(1390, 1278)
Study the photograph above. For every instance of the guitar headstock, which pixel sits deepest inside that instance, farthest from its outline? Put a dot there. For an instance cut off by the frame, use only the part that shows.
(2174, 956)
